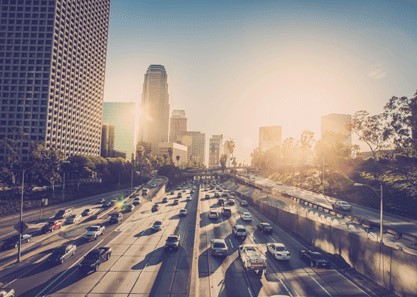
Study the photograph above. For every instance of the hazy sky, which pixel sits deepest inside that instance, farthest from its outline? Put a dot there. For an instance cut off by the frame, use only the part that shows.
(237, 65)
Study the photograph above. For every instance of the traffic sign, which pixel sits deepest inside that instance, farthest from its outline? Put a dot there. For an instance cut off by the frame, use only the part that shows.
(21, 227)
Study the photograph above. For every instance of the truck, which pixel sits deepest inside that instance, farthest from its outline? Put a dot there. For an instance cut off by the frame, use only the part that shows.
(51, 226)
(252, 258)
(93, 232)
(94, 258)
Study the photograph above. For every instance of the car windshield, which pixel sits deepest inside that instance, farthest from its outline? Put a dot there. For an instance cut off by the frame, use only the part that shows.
(92, 255)
(172, 239)
(157, 223)
(241, 230)
(280, 248)
(317, 256)
(93, 228)
(218, 245)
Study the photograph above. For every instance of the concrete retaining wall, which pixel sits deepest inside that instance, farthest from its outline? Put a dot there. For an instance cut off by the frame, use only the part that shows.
(393, 268)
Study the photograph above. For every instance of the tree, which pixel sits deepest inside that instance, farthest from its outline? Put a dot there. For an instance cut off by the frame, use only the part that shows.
(47, 163)
(223, 161)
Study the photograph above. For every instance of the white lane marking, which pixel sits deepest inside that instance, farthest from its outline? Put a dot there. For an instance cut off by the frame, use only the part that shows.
(352, 283)
(320, 285)
(40, 262)
(57, 279)
(285, 287)
(231, 243)
(250, 292)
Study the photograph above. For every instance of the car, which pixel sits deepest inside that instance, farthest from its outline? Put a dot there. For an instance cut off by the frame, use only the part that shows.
(157, 225)
(155, 207)
(213, 214)
(107, 204)
(265, 228)
(342, 205)
(52, 225)
(153, 185)
(216, 195)
(230, 201)
(87, 212)
(144, 192)
(207, 196)
(13, 241)
(114, 201)
(227, 212)
(220, 201)
(188, 198)
(7, 292)
(183, 212)
(101, 201)
(165, 200)
(239, 231)
(243, 202)
(172, 193)
(279, 183)
(61, 254)
(192, 192)
(130, 207)
(175, 202)
(116, 218)
(246, 216)
(179, 195)
(172, 242)
(63, 213)
(315, 259)
(94, 258)
(73, 219)
(136, 201)
(278, 251)
(218, 247)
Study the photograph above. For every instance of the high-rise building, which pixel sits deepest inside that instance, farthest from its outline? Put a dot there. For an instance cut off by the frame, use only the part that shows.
(154, 107)
(196, 144)
(215, 150)
(338, 123)
(178, 125)
(52, 67)
(269, 137)
(107, 141)
(122, 115)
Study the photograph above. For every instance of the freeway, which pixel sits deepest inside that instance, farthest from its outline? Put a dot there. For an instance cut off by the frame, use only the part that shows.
(400, 224)
(139, 263)
(227, 277)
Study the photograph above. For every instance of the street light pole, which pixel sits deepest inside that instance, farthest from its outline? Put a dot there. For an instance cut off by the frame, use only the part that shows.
(131, 182)
(21, 217)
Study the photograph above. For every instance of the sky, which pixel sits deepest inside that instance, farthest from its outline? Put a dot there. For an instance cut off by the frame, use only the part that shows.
(237, 65)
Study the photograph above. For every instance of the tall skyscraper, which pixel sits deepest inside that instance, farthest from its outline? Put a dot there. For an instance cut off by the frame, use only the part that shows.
(269, 137)
(338, 123)
(178, 125)
(122, 115)
(215, 150)
(154, 107)
(52, 67)
(196, 144)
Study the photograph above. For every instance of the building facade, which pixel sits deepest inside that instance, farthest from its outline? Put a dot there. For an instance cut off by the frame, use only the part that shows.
(52, 68)
(215, 150)
(338, 123)
(178, 125)
(196, 144)
(122, 115)
(179, 152)
(269, 137)
(107, 141)
(154, 107)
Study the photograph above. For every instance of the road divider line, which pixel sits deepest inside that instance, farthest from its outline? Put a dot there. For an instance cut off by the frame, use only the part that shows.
(320, 285)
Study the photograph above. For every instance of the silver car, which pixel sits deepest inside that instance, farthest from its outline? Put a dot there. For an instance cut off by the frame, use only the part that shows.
(219, 247)
(342, 205)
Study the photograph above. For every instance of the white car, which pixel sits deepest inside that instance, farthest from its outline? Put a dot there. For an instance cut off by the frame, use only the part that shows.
(213, 214)
(73, 218)
(243, 202)
(188, 198)
(278, 251)
(246, 216)
(136, 201)
(341, 205)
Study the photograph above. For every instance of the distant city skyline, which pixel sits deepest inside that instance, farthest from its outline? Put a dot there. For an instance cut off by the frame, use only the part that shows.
(235, 66)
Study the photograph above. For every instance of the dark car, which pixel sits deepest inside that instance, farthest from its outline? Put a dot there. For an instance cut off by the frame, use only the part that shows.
(231, 202)
(315, 259)
(86, 212)
(94, 258)
(216, 195)
(265, 228)
(63, 213)
(116, 217)
(172, 242)
(62, 253)
(227, 212)
(175, 202)
(165, 200)
(155, 207)
(13, 241)
(220, 201)
(107, 204)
